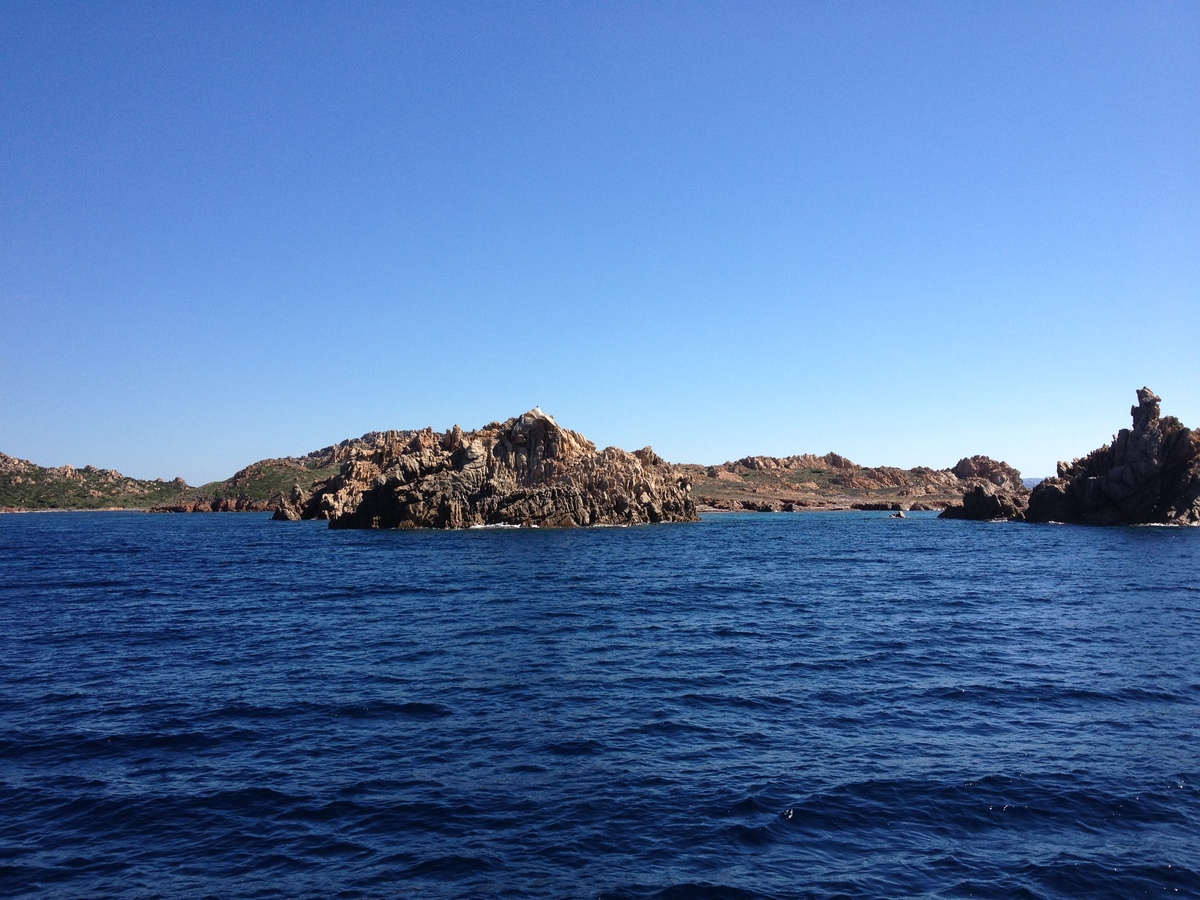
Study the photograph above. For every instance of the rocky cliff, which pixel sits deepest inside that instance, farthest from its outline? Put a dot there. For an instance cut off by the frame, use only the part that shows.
(525, 471)
(1148, 474)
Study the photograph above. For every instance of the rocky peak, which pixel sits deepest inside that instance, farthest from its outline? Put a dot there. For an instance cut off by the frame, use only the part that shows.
(994, 471)
(1146, 413)
(837, 461)
(12, 465)
(535, 447)
(647, 457)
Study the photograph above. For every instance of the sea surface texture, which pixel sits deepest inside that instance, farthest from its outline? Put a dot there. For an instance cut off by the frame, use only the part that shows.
(793, 705)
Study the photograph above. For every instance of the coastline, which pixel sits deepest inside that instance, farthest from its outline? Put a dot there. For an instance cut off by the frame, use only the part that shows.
(7, 510)
(11, 510)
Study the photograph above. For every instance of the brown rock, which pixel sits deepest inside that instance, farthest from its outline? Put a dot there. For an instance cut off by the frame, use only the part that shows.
(832, 481)
(763, 505)
(998, 473)
(218, 504)
(986, 502)
(525, 471)
(1148, 474)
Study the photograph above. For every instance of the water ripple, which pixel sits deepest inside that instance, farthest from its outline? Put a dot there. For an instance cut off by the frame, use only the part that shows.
(791, 706)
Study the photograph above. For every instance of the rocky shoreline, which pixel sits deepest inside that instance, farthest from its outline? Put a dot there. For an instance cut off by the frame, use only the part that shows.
(530, 471)
(27, 487)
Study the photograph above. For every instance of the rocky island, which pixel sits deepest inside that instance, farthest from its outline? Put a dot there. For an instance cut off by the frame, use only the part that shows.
(1149, 474)
(537, 473)
(525, 471)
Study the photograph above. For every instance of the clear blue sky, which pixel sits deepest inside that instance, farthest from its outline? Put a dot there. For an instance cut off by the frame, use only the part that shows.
(907, 232)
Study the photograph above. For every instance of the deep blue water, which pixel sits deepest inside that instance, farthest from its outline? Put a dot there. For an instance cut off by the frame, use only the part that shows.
(792, 706)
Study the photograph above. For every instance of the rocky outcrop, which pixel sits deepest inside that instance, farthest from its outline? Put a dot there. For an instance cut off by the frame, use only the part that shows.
(804, 460)
(986, 502)
(996, 491)
(998, 473)
(1148, 474)
(525, 471)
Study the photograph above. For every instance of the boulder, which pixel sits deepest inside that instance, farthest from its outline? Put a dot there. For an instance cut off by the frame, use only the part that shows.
(763, 505)
(1149, 474)
(994, 471)
(986, 502)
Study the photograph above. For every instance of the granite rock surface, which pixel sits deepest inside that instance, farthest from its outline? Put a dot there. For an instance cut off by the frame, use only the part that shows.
(526, 471)
(986, 502)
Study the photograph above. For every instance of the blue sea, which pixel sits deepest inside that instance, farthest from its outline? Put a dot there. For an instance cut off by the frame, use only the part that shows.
(810, 705)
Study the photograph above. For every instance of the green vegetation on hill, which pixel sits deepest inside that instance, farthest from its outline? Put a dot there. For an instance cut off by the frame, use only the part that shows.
(27, 486)
(24, 485)
(267, 479)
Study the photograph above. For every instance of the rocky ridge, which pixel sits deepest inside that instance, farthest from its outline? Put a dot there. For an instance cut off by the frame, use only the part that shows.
(26, 486)
(1149, 474)
(526, 471)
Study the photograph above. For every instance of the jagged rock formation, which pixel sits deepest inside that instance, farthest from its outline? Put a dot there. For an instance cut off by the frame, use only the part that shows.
(807, 481)
(318, 485)
(1000, 474)
(525, 471)
(1148, 474)
(372, 445)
